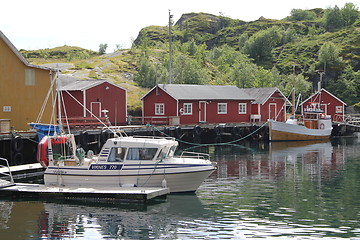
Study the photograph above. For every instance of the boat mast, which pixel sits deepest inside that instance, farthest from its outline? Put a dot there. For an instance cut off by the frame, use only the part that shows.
(58, 100)
(293, 102)
(293, 94)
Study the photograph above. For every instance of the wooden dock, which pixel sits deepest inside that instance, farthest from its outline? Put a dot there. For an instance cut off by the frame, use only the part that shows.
(24, 171)
(10, 189)
(42, 192)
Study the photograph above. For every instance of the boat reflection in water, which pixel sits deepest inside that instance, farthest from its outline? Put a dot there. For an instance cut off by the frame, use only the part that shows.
(57, 221)
(316, 158)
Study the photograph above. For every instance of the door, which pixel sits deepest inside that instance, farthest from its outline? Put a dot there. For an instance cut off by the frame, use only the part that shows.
(202, 111)
(272, 111)
(95, 108)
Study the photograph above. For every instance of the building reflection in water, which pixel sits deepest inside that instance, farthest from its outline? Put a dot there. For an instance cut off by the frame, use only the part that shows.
(50, 220)
(281, 159)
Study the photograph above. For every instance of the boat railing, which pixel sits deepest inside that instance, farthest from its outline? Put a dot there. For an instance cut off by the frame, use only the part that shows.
(196, 155)
(118, 130)
(5, 171)
(153, 137)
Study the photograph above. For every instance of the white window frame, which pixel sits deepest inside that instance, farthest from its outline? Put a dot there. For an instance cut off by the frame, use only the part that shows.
(220, 110)
(242, 108)
(187, 108)
(159, 109)
(338, 109)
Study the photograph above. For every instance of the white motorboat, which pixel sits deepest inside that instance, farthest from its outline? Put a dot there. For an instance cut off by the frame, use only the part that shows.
(122, 162)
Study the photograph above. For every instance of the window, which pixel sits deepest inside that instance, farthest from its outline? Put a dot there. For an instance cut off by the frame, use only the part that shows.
(159, 109)
(222, 108)
(29, 77)
(6, 108)
(187, 108)
(339, 109)
(242, 108)
(141, 153)
(117, 154)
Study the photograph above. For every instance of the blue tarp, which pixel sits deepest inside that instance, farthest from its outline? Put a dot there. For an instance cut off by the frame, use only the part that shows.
(45, 129)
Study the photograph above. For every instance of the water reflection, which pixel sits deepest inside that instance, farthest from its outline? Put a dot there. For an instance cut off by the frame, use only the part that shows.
(59, 220)
(280, 159)
(308, 189)
(282, 190)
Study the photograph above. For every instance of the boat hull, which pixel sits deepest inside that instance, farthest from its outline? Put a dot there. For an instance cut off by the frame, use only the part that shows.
(280, 131)
(178, 179)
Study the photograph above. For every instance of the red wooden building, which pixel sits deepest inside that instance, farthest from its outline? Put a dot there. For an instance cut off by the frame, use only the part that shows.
(192, 104)
(99, 97)
(330, 104)
(269, 103)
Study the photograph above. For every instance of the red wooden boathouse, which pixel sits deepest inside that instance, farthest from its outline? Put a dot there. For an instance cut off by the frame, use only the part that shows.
(191, 104)
(102, 98)
(329, 103)
(269, 103)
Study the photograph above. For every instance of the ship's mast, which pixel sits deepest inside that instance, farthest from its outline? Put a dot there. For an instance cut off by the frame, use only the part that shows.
(293, 94)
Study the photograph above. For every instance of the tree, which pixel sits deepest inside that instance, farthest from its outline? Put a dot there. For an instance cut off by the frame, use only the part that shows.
(336, 18)
(329, 55)
(299, 82)
(260, 45)
(300, 15)
(102, 48)
(146, 74)
(289, 35)
(349, 14)
(242, 40)
(347, 86)
(187, 70)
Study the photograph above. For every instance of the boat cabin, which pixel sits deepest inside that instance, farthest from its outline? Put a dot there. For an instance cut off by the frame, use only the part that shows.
(137, 148)
(315, 118)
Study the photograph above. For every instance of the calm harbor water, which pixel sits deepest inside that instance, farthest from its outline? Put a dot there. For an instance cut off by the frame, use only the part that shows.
(279, 191)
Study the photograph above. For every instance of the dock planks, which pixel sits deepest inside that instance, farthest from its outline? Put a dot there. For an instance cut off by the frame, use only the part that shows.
(42, 192)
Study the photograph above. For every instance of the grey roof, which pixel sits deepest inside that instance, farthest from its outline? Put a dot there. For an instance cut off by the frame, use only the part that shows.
(261, 95)
(204, 92)
(70, 83)
(319, 92)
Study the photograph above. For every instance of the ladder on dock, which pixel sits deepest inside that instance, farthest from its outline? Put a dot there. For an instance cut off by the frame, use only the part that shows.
(6, 178)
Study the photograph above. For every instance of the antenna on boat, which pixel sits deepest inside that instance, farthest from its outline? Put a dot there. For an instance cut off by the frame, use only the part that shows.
(320, 81)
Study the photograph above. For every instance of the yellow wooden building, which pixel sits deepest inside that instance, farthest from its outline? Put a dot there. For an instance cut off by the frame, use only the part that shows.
(23, 88)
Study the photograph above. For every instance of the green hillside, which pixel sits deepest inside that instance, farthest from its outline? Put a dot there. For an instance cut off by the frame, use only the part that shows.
(209, 49)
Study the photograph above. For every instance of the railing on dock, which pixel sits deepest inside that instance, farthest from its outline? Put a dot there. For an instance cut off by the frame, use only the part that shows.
(154, 120)
(148, 120)
(84, 122)
(197, 155)
(6, 177)
(352, 119)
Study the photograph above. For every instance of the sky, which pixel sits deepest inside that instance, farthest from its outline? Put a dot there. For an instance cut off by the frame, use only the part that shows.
(40, 24)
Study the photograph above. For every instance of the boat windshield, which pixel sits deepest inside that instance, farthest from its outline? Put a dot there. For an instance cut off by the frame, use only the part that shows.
(141, 153)
(117, 154)
(172, 151)
(310, 116)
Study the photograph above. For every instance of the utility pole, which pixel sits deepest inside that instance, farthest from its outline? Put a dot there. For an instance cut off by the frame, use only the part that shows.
(170, 47)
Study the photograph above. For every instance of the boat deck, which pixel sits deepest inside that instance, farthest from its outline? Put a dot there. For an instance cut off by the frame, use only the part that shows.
(42, 192)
